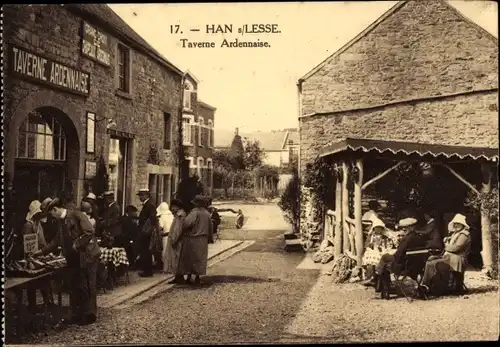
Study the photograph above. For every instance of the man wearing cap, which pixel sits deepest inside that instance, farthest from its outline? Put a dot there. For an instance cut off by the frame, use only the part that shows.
(196, 233)
(147, 222)
(110, 225)
(92, 200)
(410, 240)
(79, 245)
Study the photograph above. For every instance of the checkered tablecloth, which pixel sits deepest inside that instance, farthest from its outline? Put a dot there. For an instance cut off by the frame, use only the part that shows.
(115, 255)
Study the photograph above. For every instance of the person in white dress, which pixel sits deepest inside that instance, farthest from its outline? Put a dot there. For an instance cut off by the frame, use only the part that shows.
(165, 219)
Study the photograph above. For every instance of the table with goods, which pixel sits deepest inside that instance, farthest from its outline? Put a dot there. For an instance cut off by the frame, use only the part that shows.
(35, 273)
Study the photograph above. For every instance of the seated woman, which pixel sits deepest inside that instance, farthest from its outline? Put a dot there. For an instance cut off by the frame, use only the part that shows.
(454, 260)
(377, 242)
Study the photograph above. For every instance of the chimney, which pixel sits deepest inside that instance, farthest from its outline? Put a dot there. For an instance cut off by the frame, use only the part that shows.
(236, 131)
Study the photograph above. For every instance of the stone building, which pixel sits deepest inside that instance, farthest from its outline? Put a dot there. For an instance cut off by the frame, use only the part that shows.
(419, 83)
(79, 85)
(198, 120)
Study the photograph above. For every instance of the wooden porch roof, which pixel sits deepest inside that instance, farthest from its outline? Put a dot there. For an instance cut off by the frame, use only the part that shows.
(408, 148)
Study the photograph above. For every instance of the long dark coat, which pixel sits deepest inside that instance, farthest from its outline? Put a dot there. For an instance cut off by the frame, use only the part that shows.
(196, 233)
(174, 244)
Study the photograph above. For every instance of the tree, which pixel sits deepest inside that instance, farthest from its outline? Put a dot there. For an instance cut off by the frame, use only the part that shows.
(290, 201)
(223, 171)
(237, 154)
(253, 155)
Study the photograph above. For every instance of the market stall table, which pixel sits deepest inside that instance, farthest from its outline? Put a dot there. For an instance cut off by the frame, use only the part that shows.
(18, 284)
(113, 258)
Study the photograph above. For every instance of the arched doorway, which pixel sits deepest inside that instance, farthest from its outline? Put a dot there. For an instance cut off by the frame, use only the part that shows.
(46, 157)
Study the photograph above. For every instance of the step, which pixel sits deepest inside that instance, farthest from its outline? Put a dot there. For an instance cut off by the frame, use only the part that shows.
(293, 246)
(290, 236)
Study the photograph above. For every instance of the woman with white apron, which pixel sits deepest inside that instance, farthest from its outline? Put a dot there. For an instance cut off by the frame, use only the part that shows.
(165, 218)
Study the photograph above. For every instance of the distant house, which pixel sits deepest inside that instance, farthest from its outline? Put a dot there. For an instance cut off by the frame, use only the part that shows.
(278, 145)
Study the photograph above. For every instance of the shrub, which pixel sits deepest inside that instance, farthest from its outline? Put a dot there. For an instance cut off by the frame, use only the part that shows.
(290, 201)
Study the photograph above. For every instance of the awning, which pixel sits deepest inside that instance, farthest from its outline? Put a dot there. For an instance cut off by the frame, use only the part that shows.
(422, 149)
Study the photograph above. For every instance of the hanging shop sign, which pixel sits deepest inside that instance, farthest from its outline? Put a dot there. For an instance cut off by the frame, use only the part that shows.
(90, 169)
(36, 68)
(95, 44)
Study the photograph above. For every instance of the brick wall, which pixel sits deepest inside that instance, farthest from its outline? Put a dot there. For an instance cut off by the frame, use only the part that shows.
(53, 32)
(425, 48)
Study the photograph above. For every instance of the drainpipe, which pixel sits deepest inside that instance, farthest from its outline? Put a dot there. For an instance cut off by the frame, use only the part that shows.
(181, 109)
(299, 113)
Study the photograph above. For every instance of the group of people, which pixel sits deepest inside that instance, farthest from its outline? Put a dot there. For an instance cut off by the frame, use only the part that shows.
(176, 236)
(387, 251)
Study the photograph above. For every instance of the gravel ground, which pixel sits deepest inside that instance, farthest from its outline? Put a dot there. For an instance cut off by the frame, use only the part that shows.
(350, 312)
(248, 298)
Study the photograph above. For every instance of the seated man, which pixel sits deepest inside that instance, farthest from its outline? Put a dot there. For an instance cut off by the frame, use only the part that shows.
(395, 263)
(454, 260)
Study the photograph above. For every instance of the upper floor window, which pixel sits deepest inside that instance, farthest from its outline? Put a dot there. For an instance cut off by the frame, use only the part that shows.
(167, 131)
(188, 90)
(41, 137)
(187, 130)
(210, 136)
(201, 164)
(200, 131)
(123, 68)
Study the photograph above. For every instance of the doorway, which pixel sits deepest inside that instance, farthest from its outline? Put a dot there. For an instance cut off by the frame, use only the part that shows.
(119, 169)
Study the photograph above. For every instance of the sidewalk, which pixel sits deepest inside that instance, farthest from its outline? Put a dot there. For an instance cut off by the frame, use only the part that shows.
(138, 285)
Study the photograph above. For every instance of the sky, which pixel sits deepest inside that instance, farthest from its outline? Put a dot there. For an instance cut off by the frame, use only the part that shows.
(255, 88)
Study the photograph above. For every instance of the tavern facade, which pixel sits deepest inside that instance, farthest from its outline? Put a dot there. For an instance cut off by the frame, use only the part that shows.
(419, 85)
(81, 85)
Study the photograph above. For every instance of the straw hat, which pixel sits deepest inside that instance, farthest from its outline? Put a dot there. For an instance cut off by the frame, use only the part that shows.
(143, 191)
(91, 196)
(406, 222)
(460, 219)
(108, 193)
(33, 209)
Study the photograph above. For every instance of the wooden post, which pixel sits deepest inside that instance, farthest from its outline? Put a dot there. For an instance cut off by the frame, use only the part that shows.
(487, 251)
(357, 212)
(338, 219)
(345, 207)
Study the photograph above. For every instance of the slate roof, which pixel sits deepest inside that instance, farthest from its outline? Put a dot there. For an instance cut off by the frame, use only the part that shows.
(115, 24)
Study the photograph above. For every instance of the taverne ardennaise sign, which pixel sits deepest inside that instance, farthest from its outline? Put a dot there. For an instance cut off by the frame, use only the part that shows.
(95, 45)
(44, 70)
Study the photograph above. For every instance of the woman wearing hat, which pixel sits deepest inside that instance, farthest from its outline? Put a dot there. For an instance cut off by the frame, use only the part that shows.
(454, 259)
(196, 233)
(174, 241)
(33, 225)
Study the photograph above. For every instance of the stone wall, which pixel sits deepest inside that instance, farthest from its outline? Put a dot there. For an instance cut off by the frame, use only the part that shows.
(52, 31)
(469, 120)
(423, 49)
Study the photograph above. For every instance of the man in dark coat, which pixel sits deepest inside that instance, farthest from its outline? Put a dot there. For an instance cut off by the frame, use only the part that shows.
(110, 225)
(79, 245)
(147, 221)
